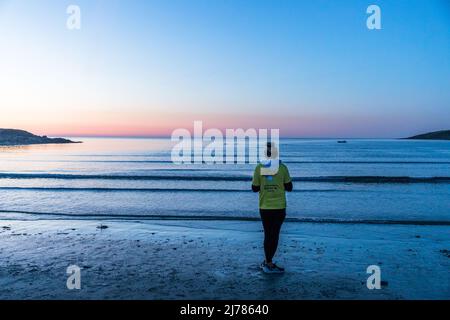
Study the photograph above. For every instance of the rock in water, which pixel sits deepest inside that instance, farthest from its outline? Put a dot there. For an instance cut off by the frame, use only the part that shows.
(437, 135)
(14, 137)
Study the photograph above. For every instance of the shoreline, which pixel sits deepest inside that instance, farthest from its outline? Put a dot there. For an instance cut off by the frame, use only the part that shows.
(38, 216)
(153, 259)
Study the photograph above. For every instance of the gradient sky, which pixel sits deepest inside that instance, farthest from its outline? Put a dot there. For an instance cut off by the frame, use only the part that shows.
(310, 68)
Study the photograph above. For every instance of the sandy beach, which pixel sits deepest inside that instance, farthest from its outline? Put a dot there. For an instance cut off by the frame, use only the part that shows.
(219, 260)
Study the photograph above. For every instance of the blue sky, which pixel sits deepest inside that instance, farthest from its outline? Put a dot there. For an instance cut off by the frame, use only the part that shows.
(311, 68)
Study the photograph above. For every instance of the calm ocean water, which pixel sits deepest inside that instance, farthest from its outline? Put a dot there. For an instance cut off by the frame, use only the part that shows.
(388, 180)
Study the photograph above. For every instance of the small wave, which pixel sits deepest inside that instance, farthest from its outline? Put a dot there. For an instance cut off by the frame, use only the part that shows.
(375, 179)
(246, 162)
(227, 218)
(98, 189)
(331, 179)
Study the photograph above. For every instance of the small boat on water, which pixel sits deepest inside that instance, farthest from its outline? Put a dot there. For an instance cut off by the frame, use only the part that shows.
(342, 141)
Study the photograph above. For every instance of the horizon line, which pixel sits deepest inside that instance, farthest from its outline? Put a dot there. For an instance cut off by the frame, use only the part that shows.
(168, 137)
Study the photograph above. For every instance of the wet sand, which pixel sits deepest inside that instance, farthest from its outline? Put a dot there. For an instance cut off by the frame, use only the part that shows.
(219, 260)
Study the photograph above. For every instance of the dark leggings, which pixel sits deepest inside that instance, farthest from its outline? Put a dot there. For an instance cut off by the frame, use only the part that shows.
(272, 221)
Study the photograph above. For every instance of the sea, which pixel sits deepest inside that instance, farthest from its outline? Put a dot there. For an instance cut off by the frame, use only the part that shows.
(360, 181)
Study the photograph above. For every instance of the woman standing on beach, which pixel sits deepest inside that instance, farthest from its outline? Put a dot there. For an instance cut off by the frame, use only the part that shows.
(272, 187)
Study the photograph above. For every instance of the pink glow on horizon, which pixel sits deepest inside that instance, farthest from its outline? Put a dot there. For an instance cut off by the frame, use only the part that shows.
(163, 125)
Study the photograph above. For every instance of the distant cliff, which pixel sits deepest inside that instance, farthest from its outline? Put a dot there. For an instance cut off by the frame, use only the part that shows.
(14, 137)
(437, 135)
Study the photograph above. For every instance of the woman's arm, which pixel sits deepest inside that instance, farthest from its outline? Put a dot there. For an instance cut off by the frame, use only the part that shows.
(287, 180)
(255, 188)
(256, 182)
(288, 186)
